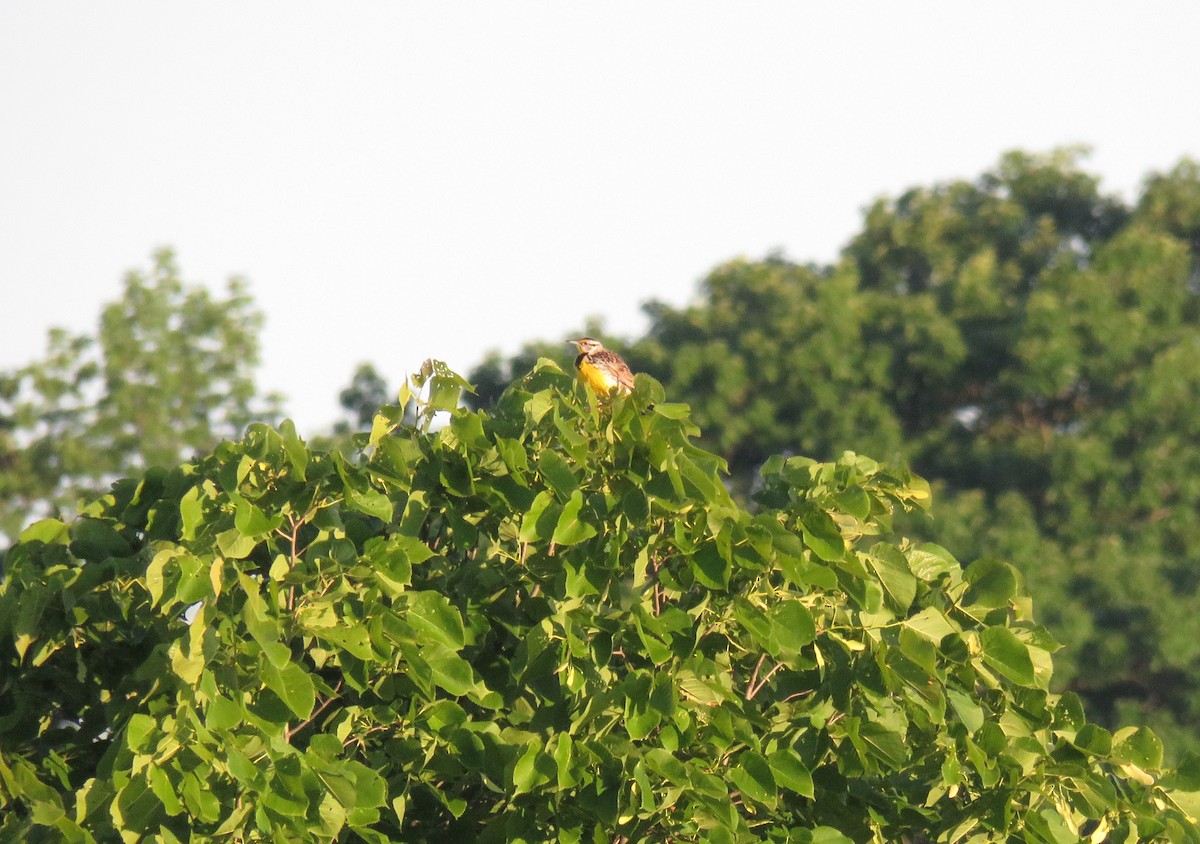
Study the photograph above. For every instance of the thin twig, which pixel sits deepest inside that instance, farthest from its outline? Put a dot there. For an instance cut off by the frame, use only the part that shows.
(754, 677)
(654, 567)
(753, 689)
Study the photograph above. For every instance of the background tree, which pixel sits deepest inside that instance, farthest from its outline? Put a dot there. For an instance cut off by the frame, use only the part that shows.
(1027, 342)
(169, 373)
(544, 622)
(771, 360)
(362, 398)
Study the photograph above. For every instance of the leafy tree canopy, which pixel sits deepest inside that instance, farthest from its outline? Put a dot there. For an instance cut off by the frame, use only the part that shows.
(1030, 344)
(169, 373)
(546, 621)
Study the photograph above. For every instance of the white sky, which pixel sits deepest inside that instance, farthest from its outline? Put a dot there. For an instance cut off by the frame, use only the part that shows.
(401, 180)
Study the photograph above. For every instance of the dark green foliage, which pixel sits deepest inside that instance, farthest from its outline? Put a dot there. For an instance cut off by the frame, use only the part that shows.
(547, 621)
(773, 360)
(361, 399)
(1033, 347)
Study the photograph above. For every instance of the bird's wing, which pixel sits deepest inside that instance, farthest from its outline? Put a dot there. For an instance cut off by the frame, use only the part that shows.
(619, 368)
(624, 376)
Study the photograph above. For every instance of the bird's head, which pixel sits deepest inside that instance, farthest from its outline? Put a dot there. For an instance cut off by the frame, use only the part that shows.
(587, 345)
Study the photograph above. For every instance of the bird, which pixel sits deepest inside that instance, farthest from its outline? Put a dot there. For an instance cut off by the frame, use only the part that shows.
(601, 369)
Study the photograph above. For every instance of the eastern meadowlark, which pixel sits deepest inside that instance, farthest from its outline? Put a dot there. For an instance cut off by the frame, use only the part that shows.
(601, 369)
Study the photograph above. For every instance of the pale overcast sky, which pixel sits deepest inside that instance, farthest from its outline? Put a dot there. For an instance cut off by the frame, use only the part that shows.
(400, 180)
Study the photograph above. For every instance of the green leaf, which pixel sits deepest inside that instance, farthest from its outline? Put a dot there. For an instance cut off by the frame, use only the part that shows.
(542, 518)
(293, 686)
(384, 422)
(710, 567)
(756, 623)
(992, 583)
(450, 671)
(50, 531)
(435, 618)
(136, 808)
(371, 502)
(22, 779)
(672, 410)
(250, 520)
(663, 762)
(920, 652)
(792, 626)
(967, 708)
(564, 750)
(263, 628)
(570, 529)
(154, 575)
(293, 446)
(187, 667)
(353, 639)
(242, 769)
(1186, 776)
(47, 812)
(468, 430)
(223, 713)
(827, 835)
(199, 799)
(140, 726)
(751, 773)
(395, 556)
(444, 714)
(557, 473)
(1138, 746)
(1068, 713)
(640, 716)
(97, 539)
(160, 784)
(854, 501)
(929, 561)
(1048, 827)
(931, 623)
(445, 388)
(898, 581)
(191, 512)
(791, 773)
(538, 405)
(195, 580)
(1003, 651)
(369, 787)
(532, 769)
(235, 545)
(885, 744)
(821, 534)
(1094, 740)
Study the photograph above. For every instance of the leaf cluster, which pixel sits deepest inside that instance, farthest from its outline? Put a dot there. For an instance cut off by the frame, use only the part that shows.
(546, 621)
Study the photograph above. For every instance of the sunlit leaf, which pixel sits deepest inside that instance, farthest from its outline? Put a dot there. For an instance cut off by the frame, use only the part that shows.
(293, 685)
(1006, 653)
(791, 773)
(571, 529)
(433, 616)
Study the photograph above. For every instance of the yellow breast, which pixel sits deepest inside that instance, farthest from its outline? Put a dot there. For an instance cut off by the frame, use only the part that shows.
(599, 380)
